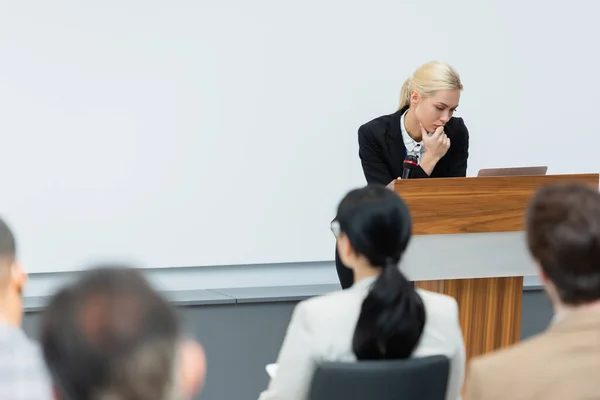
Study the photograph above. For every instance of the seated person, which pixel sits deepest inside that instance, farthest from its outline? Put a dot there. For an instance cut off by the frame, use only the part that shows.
(111, 336)
(381, 316)
(23, 375)
(563, 235)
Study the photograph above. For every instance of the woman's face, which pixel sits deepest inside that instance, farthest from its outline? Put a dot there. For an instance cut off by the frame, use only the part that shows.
(434, 111)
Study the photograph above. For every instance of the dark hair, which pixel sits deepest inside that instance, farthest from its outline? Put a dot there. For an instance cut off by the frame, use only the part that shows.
(110, 335)
(8, 247)
(378, 225)
(563, 235)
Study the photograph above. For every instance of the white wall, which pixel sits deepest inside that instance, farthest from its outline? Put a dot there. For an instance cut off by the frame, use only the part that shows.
(224, 132)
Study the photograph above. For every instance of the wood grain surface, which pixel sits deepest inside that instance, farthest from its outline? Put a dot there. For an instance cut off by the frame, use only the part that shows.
(475, 205)
(489, 310)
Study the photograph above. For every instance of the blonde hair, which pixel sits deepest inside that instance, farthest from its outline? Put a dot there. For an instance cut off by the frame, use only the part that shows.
(429, 79)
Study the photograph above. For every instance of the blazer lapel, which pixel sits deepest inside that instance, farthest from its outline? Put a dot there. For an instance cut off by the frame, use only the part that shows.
(395, 142)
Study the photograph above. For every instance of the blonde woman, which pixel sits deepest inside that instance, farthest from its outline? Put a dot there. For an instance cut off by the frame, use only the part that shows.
(424, 127)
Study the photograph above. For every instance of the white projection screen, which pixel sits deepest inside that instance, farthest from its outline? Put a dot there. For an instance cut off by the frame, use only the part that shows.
(197, 133)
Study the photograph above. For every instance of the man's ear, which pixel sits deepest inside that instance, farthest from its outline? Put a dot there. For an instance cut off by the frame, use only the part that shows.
(56, 393)
(18, 276)
(192, 368)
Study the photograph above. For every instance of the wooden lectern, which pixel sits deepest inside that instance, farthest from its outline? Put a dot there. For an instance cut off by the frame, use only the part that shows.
(490, 307)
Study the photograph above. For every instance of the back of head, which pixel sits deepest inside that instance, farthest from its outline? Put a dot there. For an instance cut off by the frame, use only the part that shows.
(429, 79)
(8, 250)
(563, 235)
(378, 226)
(111, 336)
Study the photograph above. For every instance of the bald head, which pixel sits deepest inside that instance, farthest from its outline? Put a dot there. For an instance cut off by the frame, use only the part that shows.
(7, 252)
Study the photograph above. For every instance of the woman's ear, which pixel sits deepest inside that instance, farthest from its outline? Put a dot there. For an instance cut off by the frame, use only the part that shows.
(345, 250)
(414, 98)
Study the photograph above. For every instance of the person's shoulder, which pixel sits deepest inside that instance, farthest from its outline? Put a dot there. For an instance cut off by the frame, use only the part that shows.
(26, 356)
(381, 121)
(377, 126)
(528, 352)
(329, 300)
(457, 128)
(441, 312)
(16, 338)
(32, 351)
(339, 305)
(438, 303)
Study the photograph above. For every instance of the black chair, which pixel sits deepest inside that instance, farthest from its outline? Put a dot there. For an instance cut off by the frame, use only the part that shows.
(411, 379)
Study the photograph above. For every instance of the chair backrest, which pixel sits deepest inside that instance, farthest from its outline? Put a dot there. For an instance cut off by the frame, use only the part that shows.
(411, 379)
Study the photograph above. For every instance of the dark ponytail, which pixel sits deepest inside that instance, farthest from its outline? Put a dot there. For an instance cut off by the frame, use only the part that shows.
(391, 319)
(378, 225)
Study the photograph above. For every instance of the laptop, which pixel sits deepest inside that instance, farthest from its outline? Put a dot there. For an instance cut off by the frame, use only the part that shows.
(516, 171)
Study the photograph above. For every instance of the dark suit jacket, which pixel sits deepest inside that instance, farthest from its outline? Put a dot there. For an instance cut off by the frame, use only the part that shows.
(382, 150)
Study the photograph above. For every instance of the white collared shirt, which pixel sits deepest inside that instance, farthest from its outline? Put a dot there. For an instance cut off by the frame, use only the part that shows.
(412, 146)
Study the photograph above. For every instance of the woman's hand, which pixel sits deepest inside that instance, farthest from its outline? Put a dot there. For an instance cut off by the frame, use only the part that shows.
(436, 146)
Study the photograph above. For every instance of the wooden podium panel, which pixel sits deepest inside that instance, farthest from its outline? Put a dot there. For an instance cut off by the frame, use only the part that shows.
(490, 310)
(489, 307)
(475, 205)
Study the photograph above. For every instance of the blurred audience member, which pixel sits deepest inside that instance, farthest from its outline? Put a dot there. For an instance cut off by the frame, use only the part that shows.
(563, 235)
(110, 336)
(23, 374)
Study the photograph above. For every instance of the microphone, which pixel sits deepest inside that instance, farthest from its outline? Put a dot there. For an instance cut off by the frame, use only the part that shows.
(410, 162)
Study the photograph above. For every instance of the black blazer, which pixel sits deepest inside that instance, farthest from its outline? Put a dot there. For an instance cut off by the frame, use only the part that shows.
(382, 150)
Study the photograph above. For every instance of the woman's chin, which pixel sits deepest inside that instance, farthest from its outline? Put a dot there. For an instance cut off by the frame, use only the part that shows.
(430, 129)
(434, 128)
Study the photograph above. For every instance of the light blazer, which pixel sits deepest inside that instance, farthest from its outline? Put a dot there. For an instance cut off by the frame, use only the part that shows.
(322, 329)
(559, 364)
